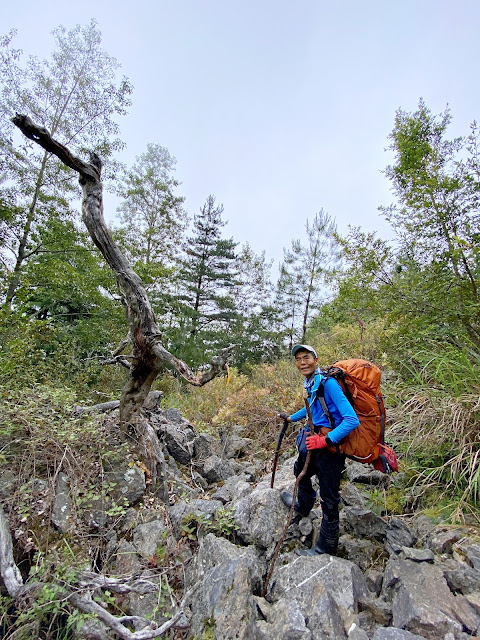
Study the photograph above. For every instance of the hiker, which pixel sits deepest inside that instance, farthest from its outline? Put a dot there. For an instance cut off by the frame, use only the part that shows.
(326, 461)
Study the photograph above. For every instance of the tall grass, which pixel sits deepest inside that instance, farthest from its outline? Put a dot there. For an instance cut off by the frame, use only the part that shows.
(435, 422)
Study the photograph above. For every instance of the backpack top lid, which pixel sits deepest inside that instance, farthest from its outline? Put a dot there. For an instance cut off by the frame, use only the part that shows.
(363, 372)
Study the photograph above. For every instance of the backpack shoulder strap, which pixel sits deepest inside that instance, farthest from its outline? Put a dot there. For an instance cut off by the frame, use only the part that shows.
(323, 404)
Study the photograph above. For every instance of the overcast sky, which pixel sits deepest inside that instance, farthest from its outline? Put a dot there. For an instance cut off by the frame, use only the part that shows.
(277, 108)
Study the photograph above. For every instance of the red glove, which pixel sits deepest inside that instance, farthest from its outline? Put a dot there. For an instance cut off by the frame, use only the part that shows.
(316, 442)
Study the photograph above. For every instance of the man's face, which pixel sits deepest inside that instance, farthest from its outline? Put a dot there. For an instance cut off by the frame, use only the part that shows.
(306, 362)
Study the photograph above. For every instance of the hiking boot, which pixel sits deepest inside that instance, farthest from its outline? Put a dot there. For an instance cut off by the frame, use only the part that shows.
(314, 551)
(287, 500)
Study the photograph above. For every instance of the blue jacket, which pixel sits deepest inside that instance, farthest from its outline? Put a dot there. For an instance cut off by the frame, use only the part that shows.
(341, 410)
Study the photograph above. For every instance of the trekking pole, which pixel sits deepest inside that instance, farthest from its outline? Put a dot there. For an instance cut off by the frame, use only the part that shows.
(292, 508)
(277, 448)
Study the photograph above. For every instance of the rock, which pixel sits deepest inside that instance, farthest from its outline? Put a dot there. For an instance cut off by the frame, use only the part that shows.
(148, 536)
(374, 580)
(92, 630)
(366, 474)
(7, 482)
(422, 602)
(352, 496)
(126, 559)
(442, 541)
(356, 633)
(423, 528)
(306, 578)
(417, 555)
(235, 446)
(380, 610)
(363, 523)
(219, 587)
(128, 484)
(204, 446)
(177, 443)
(305, 526)
(62, 516)
(398, 535)
(392, 633)
(260, 517)
(215, 469)
(460, 577)
(201, 510)
(285, 622)
(362, 552)
(234, 488)
(469, 551)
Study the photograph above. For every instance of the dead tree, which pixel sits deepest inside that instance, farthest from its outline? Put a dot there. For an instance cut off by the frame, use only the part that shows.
(149, 356)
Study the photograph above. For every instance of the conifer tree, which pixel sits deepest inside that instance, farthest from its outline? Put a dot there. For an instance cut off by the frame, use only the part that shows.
(207, 276)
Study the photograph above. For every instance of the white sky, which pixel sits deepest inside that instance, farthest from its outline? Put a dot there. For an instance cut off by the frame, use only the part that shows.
(277, 108)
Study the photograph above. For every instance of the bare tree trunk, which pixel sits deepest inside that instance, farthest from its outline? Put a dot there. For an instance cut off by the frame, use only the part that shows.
(149, 355)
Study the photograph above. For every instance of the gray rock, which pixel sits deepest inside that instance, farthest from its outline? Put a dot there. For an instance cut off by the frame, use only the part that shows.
(234, 488)
(442, 540)
(7, 482)
(374, 580)
(62, 516)
(128, 484)
(362, 552)
(148, 536)
(357, 633)
(260, 517)
(469, 551)
(366, 474)
(352, 496)
(417, 555)
(398, 535)
(391, 633)
(234, 446)
(92, 630)
(285, 622)
(305, 526)
(423, 528)
(126, 560)
(306, 578)
(219, 590)
(176, 441)
(460, 577)
(380, 610)
(205, 446)
(215, 469)
(363, 523)
(422, 602)
(202, 510)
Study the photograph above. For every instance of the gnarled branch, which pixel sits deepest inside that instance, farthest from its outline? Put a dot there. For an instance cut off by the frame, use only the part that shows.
(149, 355)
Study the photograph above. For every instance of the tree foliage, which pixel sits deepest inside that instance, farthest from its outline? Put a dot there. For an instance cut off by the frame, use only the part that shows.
(76, 96)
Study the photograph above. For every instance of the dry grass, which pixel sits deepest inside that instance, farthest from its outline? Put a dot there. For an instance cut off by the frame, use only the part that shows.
(441, 435)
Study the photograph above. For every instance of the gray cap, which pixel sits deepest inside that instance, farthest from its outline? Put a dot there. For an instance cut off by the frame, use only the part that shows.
(305, 347)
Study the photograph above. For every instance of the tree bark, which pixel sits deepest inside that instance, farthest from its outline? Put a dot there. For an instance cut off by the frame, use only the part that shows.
(149, 355)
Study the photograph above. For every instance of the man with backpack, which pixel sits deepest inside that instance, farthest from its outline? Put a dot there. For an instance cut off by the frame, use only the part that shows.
(327, 461)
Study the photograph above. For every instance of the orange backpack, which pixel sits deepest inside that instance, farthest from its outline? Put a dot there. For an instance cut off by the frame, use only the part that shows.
(360, 381)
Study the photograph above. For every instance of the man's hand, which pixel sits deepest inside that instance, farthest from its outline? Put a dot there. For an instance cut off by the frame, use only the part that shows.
(284, 416)
(316, 442)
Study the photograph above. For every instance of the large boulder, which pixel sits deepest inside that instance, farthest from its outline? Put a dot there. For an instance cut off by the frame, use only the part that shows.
(260, 517)
(422, 602)
(326, 591)
(219, 587)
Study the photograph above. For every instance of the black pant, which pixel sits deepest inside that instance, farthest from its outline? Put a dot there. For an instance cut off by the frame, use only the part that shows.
(328, 467)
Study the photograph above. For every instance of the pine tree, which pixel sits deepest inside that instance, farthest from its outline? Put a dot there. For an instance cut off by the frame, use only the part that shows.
(207, 276)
